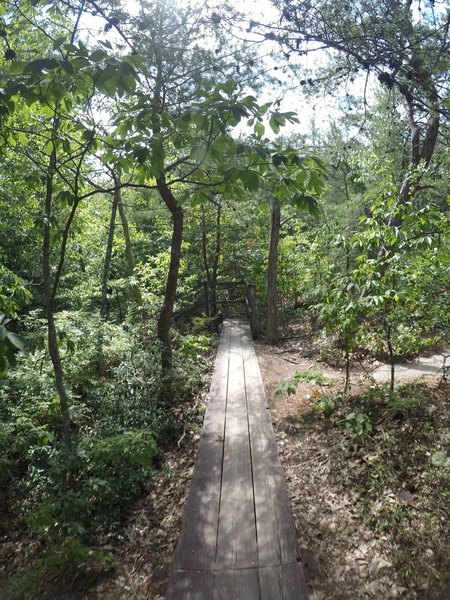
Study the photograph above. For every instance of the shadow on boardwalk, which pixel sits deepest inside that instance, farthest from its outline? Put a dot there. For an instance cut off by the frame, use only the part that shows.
(238, 539)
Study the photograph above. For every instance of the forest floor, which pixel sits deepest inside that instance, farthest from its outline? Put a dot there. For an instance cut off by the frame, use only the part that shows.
(370, 502)
(371, 508)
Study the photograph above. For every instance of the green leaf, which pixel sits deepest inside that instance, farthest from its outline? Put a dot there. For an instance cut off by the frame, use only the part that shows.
(259, 129)
(66, 197)
(127, 69)
(16, 341)
(250, 179)
(106, 80)
(198, 153)
(141, 154)
(67, 66)
(273, 122)
(128, 83)
(88, 134)
(231, 174)
(278, 160)
(98, 55)
(314, 182)
(37, 66)
(59, 42)
(306, 203)
(105, 44)
(18, 66)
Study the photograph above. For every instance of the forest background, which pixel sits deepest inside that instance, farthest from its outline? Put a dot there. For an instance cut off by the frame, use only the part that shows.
(139, 167)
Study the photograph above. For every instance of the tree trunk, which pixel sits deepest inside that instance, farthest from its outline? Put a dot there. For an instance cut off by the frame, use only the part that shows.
(272, 334)
(165, 315)
(211, 273)
(129, 254)
(104, 310)
(215, 265)
(205, 246)
(391, 359)
(52, 336)
(206, 266)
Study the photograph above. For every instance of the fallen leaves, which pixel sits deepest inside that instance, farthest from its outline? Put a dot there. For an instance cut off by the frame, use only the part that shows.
(367, 512)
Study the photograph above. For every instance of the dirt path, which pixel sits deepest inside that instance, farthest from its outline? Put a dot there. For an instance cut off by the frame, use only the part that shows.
(433, 365)
(345, 558)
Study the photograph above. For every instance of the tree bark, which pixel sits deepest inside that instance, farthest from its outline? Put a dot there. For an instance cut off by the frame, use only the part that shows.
(104, 310)
(129, 254)
(165, 315)
(272, 335)
(211, 272)
(215, 264)
(52, 336)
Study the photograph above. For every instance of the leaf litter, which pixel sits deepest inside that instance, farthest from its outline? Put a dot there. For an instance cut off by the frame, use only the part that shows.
(369, 526)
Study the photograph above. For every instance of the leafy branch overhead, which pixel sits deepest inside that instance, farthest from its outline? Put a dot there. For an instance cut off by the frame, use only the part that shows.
(147, 194)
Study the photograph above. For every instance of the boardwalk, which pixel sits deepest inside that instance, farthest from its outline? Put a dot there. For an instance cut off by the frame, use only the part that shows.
(238, 540)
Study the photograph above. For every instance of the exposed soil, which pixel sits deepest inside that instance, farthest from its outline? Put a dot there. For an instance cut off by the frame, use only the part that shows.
(368, 528)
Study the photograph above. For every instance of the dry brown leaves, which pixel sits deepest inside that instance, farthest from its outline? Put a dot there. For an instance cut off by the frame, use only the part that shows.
(144, 556)
(344, 557)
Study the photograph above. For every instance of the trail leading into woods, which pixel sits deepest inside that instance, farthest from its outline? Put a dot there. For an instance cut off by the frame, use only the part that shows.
(238, 539)
(434, 365)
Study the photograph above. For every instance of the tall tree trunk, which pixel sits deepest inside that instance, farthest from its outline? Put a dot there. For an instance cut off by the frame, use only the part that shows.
(206, 266)
(104, 310)
(215, 265)
(165, 315)
(205, 246)
(49, 293)
(129, 254)
(272, 334)
(391, 358)
(211, 272)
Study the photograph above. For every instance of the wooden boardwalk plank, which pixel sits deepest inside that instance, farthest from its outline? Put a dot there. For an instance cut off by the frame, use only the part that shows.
(236, 585)
(277, 538)
(191, 585)
(238, 540)
(282, 582)
(198, 538)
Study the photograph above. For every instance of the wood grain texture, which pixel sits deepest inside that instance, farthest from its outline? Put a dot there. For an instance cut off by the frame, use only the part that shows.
(190, 585)
(277, 538)
(236, 585)
(282, 582)
(198, 538)
(238, 540)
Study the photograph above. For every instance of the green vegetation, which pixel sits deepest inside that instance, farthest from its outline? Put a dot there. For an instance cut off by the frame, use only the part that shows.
(391, 451)
(139, 170)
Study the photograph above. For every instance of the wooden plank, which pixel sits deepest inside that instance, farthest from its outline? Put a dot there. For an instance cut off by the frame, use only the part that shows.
(236, 585)
(198, 538)
(190, 585)
(282, 582)
(277, 538)
(294, 583)
(236, 540)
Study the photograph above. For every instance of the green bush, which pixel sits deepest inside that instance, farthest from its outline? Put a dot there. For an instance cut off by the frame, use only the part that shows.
(85, 492)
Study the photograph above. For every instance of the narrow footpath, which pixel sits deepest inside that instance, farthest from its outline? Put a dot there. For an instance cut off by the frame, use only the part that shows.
(238, 539)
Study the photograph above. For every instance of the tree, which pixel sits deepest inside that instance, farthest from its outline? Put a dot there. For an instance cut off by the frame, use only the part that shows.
(39, 122)
(386, 40)
(272, 272)
(181, 136)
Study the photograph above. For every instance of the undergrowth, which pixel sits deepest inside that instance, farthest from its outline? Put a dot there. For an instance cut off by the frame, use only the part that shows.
(67, 508)
(393, 452)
